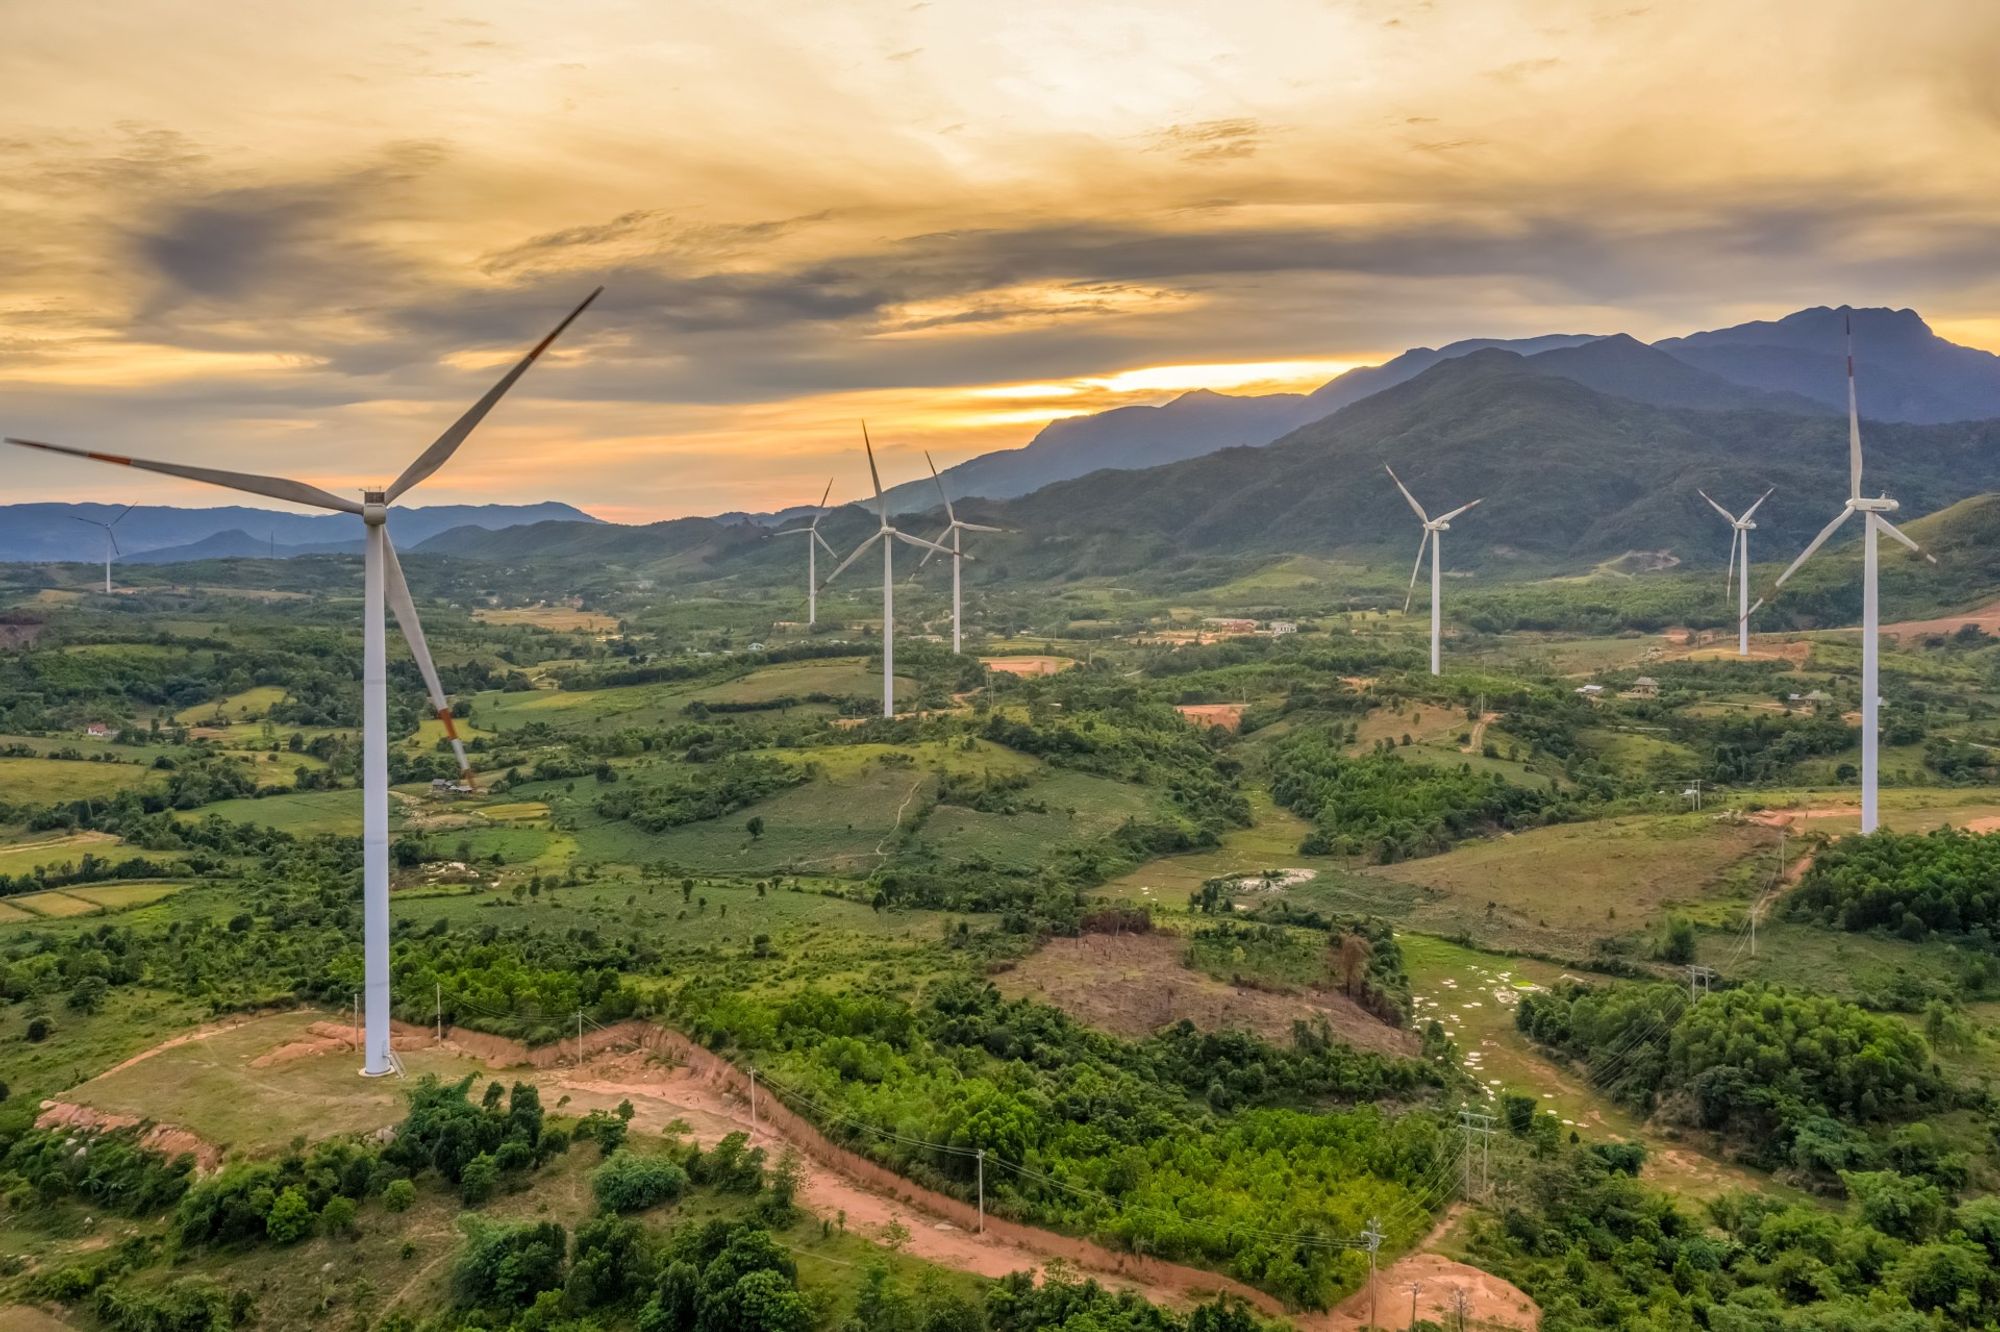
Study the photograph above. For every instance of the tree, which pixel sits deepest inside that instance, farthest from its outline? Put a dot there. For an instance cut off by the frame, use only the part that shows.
(1355, 954)
(399, 1196)
(479, 1179)
(755, 827)
(336, 1216)
(290, 1218)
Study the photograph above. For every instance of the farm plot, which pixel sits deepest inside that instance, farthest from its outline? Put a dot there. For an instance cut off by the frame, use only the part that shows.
(1561, 889)
(57, 905)
(1064, 808)
(302, 812)
(46, 781)
(124, 896)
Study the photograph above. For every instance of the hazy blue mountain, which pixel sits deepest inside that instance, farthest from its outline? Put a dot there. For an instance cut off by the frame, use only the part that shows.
(1625, 367)
(1903, 371)
(37, 532)
(1569, 475)
(1187, 427)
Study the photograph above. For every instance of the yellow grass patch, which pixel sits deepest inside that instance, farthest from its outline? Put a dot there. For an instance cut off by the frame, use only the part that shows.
(55, 904)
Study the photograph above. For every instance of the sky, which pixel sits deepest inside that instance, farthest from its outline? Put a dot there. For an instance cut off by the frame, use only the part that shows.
(300, 238)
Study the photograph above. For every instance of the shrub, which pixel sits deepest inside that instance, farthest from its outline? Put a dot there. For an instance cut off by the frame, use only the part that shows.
(399, 1196)
(290, 1218)
(629, 1183)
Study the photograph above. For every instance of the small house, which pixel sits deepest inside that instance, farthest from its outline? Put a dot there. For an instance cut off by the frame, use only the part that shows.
(1645, 687)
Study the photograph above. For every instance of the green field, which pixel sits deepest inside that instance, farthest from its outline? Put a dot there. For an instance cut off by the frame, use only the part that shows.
(233, 709)
(54, 904)
(54, 781)
(304, 812)
(123, 896)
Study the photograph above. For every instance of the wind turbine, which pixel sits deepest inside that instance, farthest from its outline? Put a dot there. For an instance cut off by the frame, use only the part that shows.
(1739, 570)
(952, 529)
(1872, 525)
(382, 577)
(110, 541)
(813, 543)
(888, 535)
(1433, 538)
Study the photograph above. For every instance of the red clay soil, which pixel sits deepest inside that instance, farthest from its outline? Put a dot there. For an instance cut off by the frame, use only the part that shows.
(1490, 1302)
(1228, 716)
(1135, 984)
(1987, 617)
(166, 1139)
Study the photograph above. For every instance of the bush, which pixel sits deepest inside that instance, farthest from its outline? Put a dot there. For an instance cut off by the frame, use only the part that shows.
(337, 1216)
(629, 1183)
(478, 1180)
(399, 1196)
(290, 1218)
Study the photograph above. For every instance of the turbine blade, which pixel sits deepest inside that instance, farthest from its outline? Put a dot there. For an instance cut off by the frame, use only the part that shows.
(1423, 544)
(979, 527)
(873, 475)
(1416, 507)
(79, 518)
(794, 531)
(294, 492)
(927, 554)
(1461, 509)
(397, 590)
(940, 485)
(1897, 533)
(121, 515)
(823, 543)
(1752, 611)
(1727, 515)
(1735, 540)
(1760, 500)
(1853, 422)
(877, 536)
(901, 535)
(112, 537)
(820, 512)
(1817, 542)
(447, 444)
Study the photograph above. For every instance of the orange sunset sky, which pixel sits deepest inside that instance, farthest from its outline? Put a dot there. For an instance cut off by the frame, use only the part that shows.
(300, 238)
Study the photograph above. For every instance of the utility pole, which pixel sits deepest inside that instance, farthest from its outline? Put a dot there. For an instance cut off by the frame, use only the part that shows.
(982, 1190)
(1373, 1238)
(1476, 1121)
(579, 1038)
(440, 1010)
(1699, 980)
(1461, 1304)
(753, 1102)
(1415, 1286)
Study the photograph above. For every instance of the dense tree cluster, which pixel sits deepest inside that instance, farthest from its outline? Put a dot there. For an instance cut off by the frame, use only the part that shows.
(706, 792)
(1784, 1074)
(1380, 806)
(1913, 883)
(1096, 1134)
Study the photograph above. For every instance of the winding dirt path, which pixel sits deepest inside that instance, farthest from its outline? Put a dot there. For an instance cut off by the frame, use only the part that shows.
(1479, 733)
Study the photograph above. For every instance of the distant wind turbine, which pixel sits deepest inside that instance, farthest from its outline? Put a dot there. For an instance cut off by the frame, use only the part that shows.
(110, 541)
(952, 528)
(1434, 530)
(382, 577)
(1873, 524)
(888, 535)
(814, 541)
(1739, 569)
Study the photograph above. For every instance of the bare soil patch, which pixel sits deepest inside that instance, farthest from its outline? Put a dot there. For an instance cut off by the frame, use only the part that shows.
(1490, 1302)
(1228, 716)
(167, 1139)
(1027, 665)
(1987, 617)
(1135, 984)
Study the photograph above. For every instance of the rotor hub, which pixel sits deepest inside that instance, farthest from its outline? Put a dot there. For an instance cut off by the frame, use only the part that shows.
(1879, 504)
(374, 508)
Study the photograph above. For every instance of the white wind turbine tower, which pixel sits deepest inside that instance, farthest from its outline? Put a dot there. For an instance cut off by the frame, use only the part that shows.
(952, 528)
(110, 541)
(1433, 538)
(1739, 568)
(814, 542)
(1873, 525)
(382, 577)
(888, 535)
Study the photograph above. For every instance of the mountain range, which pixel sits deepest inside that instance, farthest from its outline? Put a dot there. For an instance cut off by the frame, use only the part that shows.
(1583, 448)
(1790, 364)
(165, 534)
